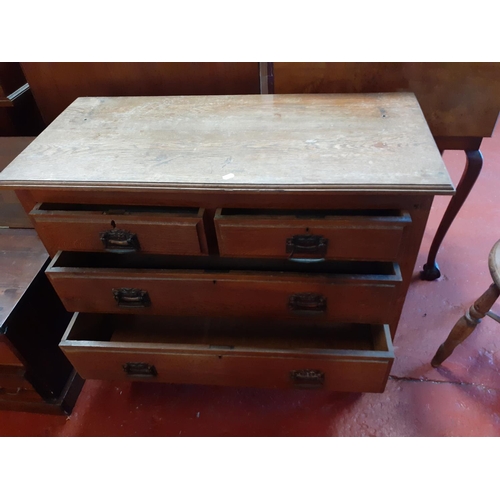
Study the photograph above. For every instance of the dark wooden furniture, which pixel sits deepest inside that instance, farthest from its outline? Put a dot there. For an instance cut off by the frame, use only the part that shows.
(468, 322)
(35, 375)
(460, 101)
(56, 85)
(12, 213)
(19, 114)
(259, 240)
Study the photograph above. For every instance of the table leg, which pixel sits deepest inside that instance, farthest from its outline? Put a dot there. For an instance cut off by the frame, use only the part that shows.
(471, 173)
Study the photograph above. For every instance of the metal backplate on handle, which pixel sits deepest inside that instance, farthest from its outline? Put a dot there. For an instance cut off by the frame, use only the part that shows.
(140, 370)
(120, 241)
(307, 245)
(312, 303)
(131, 297)
(308, 379)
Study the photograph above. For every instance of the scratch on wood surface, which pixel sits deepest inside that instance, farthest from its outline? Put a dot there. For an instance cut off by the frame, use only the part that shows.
(227, 161)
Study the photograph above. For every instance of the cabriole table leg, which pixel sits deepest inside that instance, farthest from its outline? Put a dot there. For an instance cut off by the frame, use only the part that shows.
(471, 173)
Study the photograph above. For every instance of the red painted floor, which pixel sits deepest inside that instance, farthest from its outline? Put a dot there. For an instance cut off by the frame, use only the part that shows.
(460, 399)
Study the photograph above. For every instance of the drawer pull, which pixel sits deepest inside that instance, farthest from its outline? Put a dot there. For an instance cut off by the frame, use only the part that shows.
(308, 379)
(307, 244)
(120, 241)
(131, 297)
(140, 370)
(308, 303)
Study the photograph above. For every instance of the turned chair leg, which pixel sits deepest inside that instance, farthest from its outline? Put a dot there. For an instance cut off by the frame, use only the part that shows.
(466, 324)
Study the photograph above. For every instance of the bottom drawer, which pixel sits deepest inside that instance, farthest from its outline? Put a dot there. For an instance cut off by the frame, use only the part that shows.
(226, 351)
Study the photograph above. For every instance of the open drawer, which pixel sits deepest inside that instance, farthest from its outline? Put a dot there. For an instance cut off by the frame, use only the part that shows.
(343, 357)
(120, 229)
(361, 292)
(311, 235)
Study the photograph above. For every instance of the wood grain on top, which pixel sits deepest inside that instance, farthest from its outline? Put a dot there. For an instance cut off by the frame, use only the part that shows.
(341, 142)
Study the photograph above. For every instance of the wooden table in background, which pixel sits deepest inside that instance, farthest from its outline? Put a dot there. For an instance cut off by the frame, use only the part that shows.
(35, 376)
(19, 114)
(12, 213)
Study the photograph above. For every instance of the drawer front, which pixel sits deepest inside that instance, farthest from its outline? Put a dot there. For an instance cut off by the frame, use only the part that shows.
(333, 370)
(141, 232)
(239, 294)
(374, 238)
(334, 374)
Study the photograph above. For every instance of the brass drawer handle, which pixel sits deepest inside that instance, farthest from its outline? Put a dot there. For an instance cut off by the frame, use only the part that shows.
(144, 370)
(308, 379)
(131, 297)
(307, 244)
(120, 241)
(307, 303)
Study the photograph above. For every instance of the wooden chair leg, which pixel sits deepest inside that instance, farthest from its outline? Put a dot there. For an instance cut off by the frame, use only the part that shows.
(466, 324)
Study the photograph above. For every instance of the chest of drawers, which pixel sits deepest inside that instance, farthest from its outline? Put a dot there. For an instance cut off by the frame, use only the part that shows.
(260, 240)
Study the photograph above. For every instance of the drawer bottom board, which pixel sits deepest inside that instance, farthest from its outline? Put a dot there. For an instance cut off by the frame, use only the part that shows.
(342, 357)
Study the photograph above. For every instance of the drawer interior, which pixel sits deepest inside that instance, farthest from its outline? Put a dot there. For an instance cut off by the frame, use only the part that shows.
(397, 215)
(112, 209)
(214, 264)
(225, 334)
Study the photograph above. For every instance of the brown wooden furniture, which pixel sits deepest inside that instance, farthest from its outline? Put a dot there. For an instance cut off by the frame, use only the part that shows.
(239, 240)
(12, 213)
(35, 376)
(56, 85)
(19, 114)
(481, 308)
(460, 101)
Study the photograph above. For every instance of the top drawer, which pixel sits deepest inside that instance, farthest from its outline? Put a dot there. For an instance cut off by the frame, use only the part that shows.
(120, 229)
(311, 235)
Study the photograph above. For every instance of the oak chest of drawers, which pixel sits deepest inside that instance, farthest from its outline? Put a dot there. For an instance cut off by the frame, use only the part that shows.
(259, 240)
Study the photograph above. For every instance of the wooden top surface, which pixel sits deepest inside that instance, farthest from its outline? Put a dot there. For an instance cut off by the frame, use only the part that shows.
(22, 255)
(326, 142)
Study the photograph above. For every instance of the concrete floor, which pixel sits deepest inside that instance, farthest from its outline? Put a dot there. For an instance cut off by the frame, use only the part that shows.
(460, 399)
